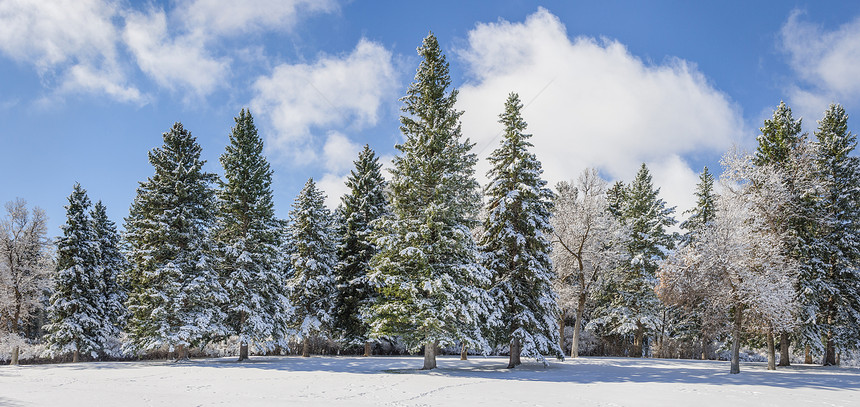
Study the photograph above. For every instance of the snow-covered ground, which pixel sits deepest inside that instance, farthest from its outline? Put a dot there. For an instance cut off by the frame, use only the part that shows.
(395, 381)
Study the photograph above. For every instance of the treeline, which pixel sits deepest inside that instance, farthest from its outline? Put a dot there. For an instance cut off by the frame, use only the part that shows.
(773, 252)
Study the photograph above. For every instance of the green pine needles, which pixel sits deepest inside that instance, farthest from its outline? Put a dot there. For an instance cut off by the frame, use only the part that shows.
(516, 244)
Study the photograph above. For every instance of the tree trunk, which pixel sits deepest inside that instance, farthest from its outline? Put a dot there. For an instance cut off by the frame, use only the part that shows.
(577, 326)
(367, 349)
(306, 348)
(736, 341)
(516, 349)
(243, 351)
(771, 352)
(807, 355)
(829, 353)
(15, 352)
(76, 356)
(705, 341)
(181, 352)
(637, 340)
(429, 356)
(784, 344)
(463, 354)
(561, 333)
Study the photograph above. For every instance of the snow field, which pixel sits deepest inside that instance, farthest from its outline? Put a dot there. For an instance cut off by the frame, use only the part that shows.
(396, 381)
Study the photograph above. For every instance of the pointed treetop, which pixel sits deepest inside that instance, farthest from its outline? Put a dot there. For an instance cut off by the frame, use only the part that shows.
(779, 137)
(833, 135)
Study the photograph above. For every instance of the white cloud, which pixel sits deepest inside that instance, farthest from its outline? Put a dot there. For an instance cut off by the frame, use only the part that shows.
(826, 62)
(214, 18)
(339, 152)
(334, 92)
(335, 187)
(338, 156)
(72, 40)
(178, 61)
(590, 103)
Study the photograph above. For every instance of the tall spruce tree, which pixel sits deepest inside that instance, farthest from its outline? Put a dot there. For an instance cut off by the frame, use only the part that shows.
(360, 208)
(427, 271)
(705, 209)
(175, 297)
(836, 276)
(314, 257)
(111, 264)
(75, 312)
(697, 321)
(516, 243)
(783, 147)
(633, 306)
(248, 238)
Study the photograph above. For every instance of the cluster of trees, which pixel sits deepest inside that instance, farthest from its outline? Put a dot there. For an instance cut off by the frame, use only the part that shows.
(418, 257)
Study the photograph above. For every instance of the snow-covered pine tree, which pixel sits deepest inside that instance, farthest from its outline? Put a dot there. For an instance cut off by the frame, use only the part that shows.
(25, 269)
(634, 307)
(314, 258)
(516, 243)
(779, 137)
(111, 264)
(175, 297)
(588, 246)
(837, 278)
(782, 146)
(248, 239)
(704, 211)
(431, 285)
(616, 195)
(699, 323)
(75, 312)
(364, 204)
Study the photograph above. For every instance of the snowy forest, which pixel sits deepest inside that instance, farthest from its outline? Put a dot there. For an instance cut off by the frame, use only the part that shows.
(423, 259)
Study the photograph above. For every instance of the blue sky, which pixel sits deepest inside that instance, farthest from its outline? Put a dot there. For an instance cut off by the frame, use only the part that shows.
(89, 86)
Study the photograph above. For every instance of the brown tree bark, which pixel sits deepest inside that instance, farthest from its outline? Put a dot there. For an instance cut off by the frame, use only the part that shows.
(243, 351)
(771, 352)
(76, 356)
(181, 352)
(429, 356)
(736, 341)
(561, 333)
(577, 326)
(637, 340)
(367, 349)
(784, 355)
(306, 348)
(829, 353)
(15, 352)
(807, 355)
(705, 341)
(516, 349)
(463, 354)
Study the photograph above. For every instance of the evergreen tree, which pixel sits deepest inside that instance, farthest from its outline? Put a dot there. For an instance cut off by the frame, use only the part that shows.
(516, 243)
(783, 147)
(314, 257)
(704, 211)
(75, 312)
(697, 320)
(427, 270)
(615, 197)
(779, 137)
(248, 238)
(835, 280)
(633, 307)
(175, 297)
(111, 263)
(364, 204)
